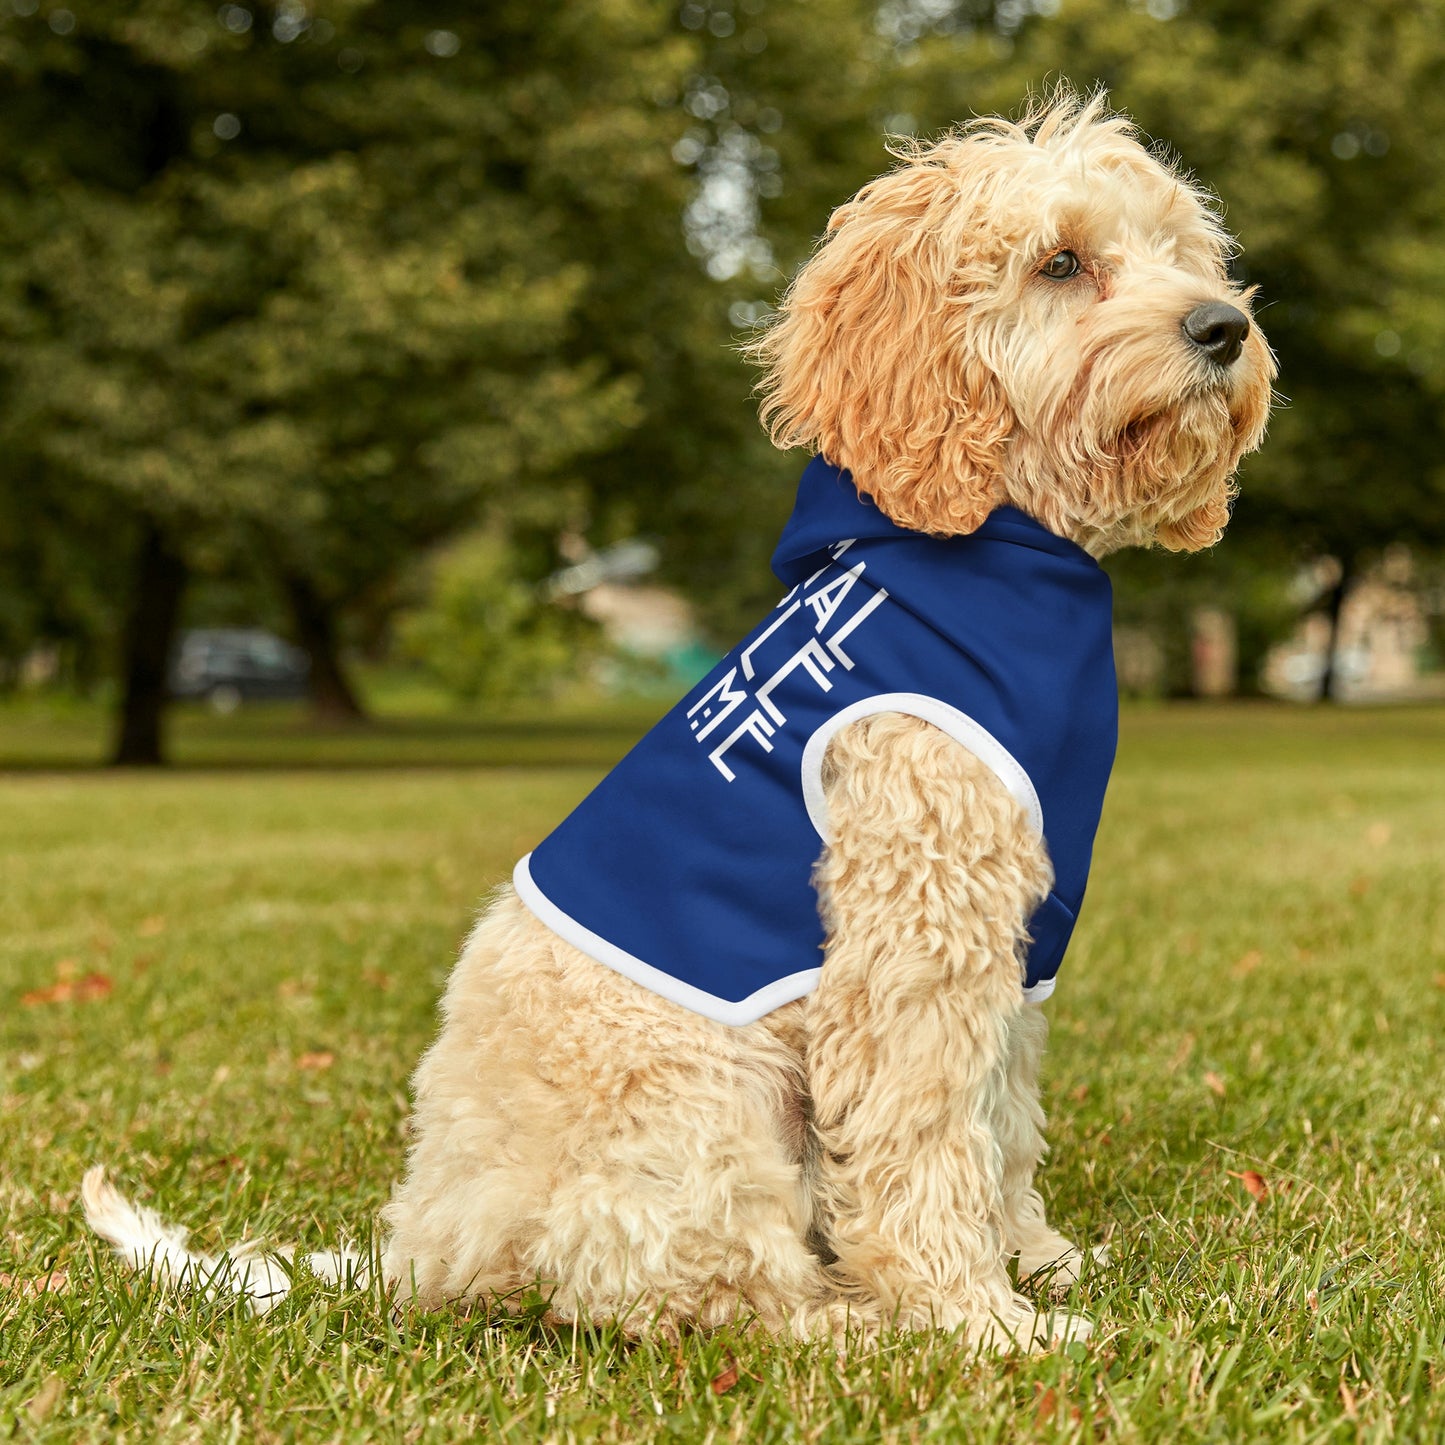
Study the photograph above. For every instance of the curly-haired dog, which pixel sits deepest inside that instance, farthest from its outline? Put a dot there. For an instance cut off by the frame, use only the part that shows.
(1017, 351)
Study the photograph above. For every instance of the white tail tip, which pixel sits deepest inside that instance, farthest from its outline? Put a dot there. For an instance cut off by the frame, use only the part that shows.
(147, 1243)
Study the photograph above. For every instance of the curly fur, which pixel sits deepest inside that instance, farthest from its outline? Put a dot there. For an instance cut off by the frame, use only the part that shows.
(921, 348)
(866, 1156)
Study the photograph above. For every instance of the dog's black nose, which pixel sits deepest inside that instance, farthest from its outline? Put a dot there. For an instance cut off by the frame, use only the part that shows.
(1218, 331)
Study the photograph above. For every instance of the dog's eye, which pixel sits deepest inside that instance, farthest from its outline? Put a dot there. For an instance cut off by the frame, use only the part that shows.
(1060, 266)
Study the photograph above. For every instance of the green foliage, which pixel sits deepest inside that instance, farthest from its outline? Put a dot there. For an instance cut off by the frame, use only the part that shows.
(321, 299)
(488, 635)
(315, 287)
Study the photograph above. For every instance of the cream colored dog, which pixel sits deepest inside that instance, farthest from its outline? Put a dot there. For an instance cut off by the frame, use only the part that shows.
(1035, 314)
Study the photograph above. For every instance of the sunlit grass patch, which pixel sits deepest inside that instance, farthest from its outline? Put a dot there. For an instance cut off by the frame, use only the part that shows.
(217, 982)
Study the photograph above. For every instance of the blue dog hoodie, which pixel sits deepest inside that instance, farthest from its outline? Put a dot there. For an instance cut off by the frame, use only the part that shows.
(689, 867)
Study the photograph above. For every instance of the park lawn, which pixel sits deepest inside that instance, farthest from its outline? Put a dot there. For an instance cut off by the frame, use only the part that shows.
(216, 981)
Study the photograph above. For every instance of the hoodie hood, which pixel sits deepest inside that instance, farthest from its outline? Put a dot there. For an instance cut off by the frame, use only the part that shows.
(829, 508)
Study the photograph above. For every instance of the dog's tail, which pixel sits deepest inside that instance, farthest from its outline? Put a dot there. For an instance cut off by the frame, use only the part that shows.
(147, 1243)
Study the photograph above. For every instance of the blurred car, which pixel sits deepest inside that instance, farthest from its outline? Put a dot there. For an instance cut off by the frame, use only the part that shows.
(227, 666)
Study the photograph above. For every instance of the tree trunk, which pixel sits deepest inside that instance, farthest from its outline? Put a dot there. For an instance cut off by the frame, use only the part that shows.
(150, 631)
(1329, 680)
(333, 699)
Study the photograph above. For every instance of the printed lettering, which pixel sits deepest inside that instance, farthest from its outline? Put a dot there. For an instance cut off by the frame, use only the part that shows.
(835, 642)
(827, 599)
(810, 657)
(835, 550)
(703, 716)
(746, 657)
(756, 724)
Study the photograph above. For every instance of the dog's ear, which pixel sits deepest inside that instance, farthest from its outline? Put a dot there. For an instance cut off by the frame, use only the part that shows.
(874, 358)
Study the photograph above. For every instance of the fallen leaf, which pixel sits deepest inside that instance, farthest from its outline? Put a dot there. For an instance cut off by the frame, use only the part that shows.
(1248, 963)
(83, 990)
(1254, 1182)
(151, 927)
(320, 1059)
(45, 1399)
(724, 1382)
(1181, 1054)
(56, 993)
(1080, 1094)
(1046, 1408)
(1440, 980)
(1214, 1083)
(56, 1282)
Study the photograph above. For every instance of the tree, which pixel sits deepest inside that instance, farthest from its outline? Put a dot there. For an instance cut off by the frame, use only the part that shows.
(303, 289)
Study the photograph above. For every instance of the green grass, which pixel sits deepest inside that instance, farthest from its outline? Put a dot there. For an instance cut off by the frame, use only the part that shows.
(1258, 984)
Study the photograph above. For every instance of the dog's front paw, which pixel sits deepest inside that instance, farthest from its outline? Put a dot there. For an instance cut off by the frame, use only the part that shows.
(1057, 1266)
(1023, 1326)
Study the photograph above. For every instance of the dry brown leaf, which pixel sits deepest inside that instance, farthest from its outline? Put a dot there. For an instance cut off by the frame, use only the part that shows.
(1347, 1399)
(56, 1282)
(56, 993)
(1254, 1183)
(1248, 963)
(1046, 1408)
(1214, 1083)
(319, 1059)
(724, 1382)
(1181, 1054)
(1080, 1094)
(45, 1399)
(82, 990)
(1440, 980)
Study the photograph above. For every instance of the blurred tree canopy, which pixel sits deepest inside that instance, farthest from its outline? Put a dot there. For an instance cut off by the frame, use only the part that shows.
(310, 287)
(1317, 122)
(301, 290)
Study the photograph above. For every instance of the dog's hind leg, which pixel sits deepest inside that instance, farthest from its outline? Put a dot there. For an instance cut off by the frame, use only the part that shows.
(1019, 1127)
(577, 1135)
(926, 887)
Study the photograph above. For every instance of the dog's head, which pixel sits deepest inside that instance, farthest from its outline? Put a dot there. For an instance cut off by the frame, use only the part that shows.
(1035, 313)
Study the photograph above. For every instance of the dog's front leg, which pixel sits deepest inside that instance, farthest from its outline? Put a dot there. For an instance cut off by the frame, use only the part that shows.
(926, 887)
(1042, 1251)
